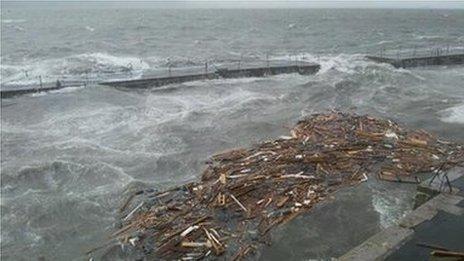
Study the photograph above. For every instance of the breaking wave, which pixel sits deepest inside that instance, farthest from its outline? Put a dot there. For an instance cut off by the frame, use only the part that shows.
(100, 66)
(64, 90)
(429, 37)
(454, 114)
(346, 63)
(72, 67)
(92, 66)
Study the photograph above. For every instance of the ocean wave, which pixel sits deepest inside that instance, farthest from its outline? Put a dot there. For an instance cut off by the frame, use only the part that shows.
(60, 174)
(64, 90)
(89, 28)
(93, 66)
(429, 37)
(71, 67)
(454, 114)
(346, 63)
(385, 42)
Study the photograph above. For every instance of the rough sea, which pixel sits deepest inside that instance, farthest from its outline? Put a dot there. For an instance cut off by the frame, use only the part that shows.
(69, 157)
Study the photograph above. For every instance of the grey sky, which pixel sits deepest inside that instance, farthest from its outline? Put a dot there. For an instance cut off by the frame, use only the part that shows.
(430, 4)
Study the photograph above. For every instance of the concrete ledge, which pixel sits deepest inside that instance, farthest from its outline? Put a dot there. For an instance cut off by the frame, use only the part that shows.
(445, 202)
(380, 245)
(384, 243)
(450, 59)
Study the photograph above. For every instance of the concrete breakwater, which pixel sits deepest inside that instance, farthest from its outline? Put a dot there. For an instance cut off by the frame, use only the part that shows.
(160, 81)
(303, 68)
(405, 62)
(8, 91)
(436, 220)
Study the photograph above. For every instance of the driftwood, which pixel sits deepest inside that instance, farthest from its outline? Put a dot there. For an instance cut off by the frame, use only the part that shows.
(245, 193)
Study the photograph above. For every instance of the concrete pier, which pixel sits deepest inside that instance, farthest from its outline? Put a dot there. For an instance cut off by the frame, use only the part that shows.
(303, 68)
(437, 221)
(160, 81)
(8, 91)
(405, 62)
(265, 71)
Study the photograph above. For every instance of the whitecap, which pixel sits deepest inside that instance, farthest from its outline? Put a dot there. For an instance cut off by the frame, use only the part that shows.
(428, 37)
(91, 65)
(13, 21)
(385, 42)
(63, 90)
(91, 29)
(346, 63)
(454, 114)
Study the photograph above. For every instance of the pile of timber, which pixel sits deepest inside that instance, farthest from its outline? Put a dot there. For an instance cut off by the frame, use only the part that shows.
(245, 193)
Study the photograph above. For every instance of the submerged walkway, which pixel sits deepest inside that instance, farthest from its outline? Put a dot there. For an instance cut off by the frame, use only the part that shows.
(436, 225)
(303, 68)
(405, 62)
(252, 71)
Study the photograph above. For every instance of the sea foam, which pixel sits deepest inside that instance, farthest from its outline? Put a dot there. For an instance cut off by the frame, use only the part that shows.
(454, 114)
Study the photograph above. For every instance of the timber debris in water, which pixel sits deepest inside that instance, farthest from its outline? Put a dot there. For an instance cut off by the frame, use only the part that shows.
(245, 193)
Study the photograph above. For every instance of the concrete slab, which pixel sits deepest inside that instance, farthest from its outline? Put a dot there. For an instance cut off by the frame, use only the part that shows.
(380, 245)
(431, 187)
(461, 204)
(445, 202)
(445, 229)
(459, 183)
(450, 59)
(439, 221)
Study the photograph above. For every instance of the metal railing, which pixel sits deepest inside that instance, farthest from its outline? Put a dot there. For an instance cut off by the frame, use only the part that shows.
(205, 67)
(418, 52)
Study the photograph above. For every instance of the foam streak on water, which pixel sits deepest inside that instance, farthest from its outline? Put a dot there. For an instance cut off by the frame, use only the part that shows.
(454, 114)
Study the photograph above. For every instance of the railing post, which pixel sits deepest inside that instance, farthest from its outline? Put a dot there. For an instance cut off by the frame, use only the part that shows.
(267, 60)
(240, 61)
(86, 79)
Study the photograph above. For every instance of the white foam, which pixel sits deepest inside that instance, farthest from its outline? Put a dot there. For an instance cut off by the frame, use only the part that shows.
(75, 66)
(63, 90)
(428, 37)
(347, 63)
(385, 42)
(454, 114)
(89, 28)
(391, 206)
(13, 21)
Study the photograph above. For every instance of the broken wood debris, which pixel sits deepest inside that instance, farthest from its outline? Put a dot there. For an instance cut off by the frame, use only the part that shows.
(245, 193)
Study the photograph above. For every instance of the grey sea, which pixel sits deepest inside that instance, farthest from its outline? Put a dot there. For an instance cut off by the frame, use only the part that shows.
(70, 156)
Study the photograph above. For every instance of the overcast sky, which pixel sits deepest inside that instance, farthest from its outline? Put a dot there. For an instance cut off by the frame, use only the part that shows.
(430, 4)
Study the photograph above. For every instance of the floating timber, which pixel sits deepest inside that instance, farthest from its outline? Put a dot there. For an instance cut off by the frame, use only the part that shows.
(450, 59)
